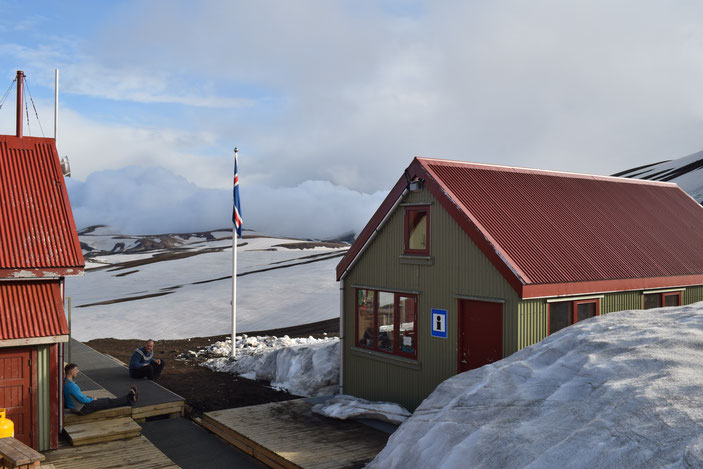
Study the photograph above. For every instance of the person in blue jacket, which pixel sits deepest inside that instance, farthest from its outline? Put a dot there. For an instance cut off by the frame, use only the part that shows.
(143, 364)
(79, 403)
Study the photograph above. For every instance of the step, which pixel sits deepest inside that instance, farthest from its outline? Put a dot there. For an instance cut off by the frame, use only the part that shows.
(102, 430)
(69, 418)
(143, 412)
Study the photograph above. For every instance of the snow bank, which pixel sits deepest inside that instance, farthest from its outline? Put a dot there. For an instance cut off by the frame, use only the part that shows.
(349, 407)
(305, 367)
(620, 390)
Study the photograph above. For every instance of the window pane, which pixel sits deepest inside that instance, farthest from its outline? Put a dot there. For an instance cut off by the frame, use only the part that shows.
(671, 300)
(653, 300)
(585, 311)
(406, 311)
(365, 332)
(559, 316)
(417, 230)
(386, 333)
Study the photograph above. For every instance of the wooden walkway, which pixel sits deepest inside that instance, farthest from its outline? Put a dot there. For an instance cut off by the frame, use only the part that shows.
(288, 435)
(135, 452)
(103, 376)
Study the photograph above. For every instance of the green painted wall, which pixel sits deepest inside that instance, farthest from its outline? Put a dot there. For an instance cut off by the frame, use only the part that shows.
(43, 408)
(692, 295)
(456, 268)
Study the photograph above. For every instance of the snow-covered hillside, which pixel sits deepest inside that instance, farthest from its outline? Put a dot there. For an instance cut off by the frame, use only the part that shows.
(620, 390)
(177, 286)
(687, 172)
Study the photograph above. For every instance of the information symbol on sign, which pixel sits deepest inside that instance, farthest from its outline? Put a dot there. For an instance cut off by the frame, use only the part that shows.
(439, 323)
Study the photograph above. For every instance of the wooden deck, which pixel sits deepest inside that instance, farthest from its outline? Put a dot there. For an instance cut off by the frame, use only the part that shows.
(99, 431)
(288, 435)
(70, 418)
(135, 452)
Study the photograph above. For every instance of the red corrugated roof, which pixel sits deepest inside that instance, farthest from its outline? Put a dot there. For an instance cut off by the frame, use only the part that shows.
(552, 233)
(30, 309)
(37, 233)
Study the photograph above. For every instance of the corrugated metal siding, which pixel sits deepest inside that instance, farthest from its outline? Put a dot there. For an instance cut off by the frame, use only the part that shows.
(532, 322)
(37, 229)
(558, 227)
(458, 268)
(621, 301)
(31, 309)
(43, 396)
(692, 295)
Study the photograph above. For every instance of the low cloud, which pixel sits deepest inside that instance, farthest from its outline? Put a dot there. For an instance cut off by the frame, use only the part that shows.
(138, 200)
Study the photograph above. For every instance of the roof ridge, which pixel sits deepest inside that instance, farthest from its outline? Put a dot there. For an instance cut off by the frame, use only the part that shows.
(492, 166)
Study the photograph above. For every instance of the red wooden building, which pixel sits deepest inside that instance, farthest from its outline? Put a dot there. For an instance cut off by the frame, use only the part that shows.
(39, 247)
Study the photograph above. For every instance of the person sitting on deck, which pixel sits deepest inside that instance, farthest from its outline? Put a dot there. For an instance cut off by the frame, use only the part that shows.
(79, 403)
(143, 364)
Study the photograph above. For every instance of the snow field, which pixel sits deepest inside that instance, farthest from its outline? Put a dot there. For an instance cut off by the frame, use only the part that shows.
(620, 390)
(192, 301)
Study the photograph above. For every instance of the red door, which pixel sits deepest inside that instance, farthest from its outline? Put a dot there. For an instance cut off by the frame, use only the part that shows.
(480, 333)
(15, 387)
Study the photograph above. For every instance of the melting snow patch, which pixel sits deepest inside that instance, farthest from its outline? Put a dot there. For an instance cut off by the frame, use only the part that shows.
(304, 367)
(348, 407)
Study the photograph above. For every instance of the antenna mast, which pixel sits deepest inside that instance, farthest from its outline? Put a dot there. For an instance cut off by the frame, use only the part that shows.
(56, 103)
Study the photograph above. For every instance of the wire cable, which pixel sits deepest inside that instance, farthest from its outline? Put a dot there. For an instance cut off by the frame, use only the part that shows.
(9, 88)
(26, 108)
(26, 82)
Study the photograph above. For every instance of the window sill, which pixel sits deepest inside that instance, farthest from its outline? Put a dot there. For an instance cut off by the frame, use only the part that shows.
(416, 260)
(384, 357)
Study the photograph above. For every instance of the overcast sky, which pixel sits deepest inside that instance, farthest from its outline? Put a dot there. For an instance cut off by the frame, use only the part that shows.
(329, 101)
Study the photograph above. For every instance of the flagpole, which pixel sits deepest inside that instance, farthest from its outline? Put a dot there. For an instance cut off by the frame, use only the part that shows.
(234, 274)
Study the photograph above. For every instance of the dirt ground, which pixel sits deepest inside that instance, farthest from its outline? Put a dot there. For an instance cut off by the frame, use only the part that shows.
(205, 390)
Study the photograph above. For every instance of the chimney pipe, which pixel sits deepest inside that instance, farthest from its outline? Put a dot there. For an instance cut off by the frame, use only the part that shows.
(20, 103)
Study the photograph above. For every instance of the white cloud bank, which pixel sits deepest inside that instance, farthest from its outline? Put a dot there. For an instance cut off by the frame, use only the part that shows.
(139, 200)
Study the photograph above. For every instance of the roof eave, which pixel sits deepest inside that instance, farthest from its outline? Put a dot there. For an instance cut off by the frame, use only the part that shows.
(534, 291)
(48, 273)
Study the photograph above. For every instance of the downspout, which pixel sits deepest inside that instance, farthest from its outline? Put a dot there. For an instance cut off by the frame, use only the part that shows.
(341, 336)
(341, 286)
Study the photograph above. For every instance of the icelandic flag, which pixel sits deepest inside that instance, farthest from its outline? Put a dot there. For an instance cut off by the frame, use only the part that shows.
(237, 212)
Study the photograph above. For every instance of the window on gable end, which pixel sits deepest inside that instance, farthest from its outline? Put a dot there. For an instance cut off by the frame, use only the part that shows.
(417, 230)
(387, 322)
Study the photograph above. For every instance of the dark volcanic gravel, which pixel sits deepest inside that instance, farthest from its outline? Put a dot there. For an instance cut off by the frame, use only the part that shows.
(203, 389)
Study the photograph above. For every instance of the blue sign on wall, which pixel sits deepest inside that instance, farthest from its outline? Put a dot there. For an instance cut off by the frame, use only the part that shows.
(439, 323)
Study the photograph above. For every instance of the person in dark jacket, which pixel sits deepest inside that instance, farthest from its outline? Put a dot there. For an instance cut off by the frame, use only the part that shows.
(143, 364)
(79, 403)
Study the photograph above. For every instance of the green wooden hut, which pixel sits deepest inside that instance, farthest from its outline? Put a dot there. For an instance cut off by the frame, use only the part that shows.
(464, 264)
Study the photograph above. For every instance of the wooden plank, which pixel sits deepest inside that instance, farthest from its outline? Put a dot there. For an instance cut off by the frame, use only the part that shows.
(157, 409)
(136, 452)
(292, 436)
(17, 453)
(249, 447)
(70, 418)
(102, 430)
